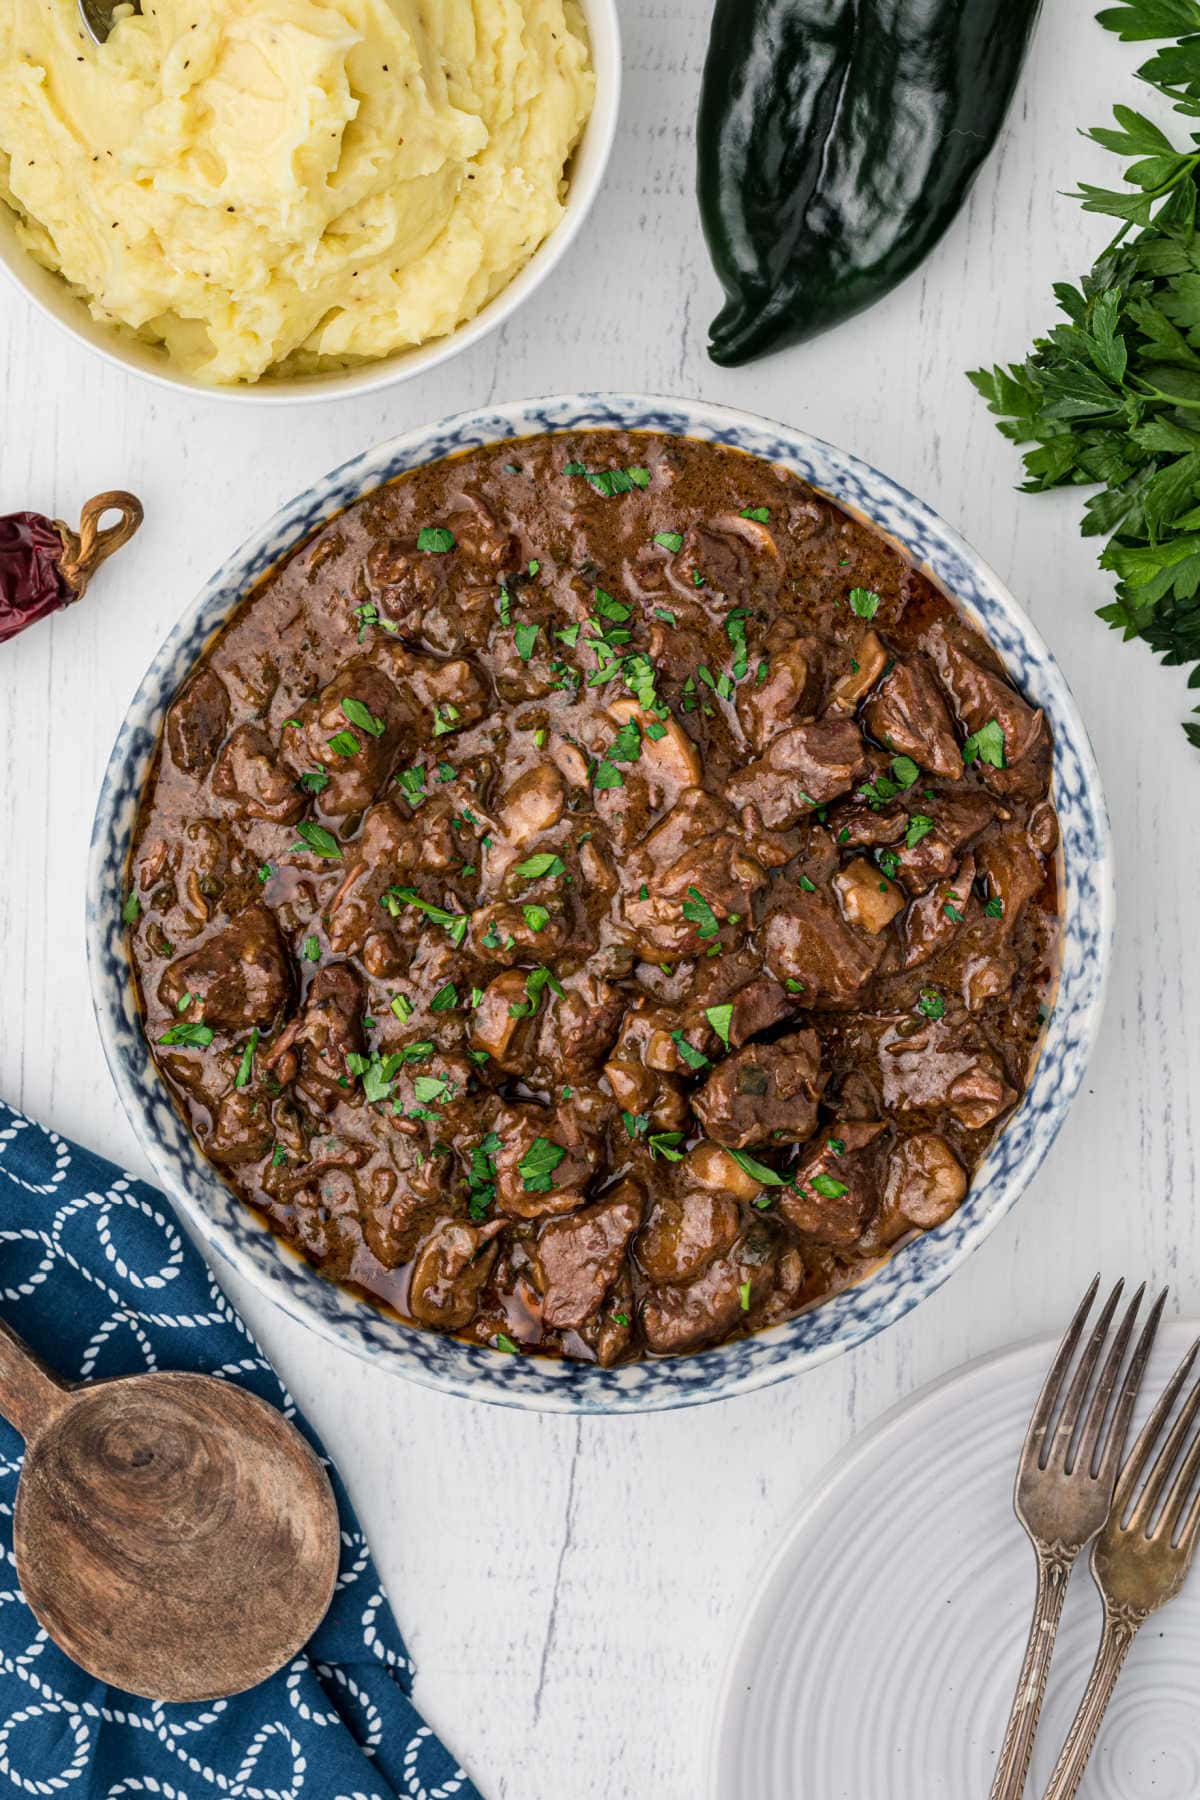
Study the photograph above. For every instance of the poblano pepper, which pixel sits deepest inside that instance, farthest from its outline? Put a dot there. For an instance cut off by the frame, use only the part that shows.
(837, 141)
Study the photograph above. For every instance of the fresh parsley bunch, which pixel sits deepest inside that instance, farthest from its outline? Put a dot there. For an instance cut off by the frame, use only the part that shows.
(1112, 397)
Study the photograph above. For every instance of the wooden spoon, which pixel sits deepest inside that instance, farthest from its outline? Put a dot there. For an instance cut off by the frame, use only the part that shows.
(174, 1534)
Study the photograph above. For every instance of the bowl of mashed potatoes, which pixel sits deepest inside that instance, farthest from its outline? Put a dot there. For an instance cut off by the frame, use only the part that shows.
(286, 199)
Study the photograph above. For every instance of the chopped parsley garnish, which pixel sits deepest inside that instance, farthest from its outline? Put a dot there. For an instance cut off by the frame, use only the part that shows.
(793, 986)
(539, 1163)
(456, 924)
(669, 540)
(344, 743)
(627, 745)
(695, 1059)
(663, 1143)
(536, 917)
(544, 863)
(995, 907)
(481, 1182)
(526, 637)
(919, 826)
(246, 1066)
(568, 635)
(265, 872)
(735, 631)
(836, 1146)
(610, 481)
(412, 782)
(131, 909)
(951, 911)
(864, 602)
(367, 615)
(665, 613)
(317, 839)
(810, 887)
(505, 1343)
(701, 914)
(195, 1037)
(428, 1088)
(619, 1318)
(905, 770)
(744, 1295)
(536, 980)
(402, 1006)
(608, 608)
(279, 1157)
(635, 1123)
(445, 998)
(888, 861)
(720, 1018)
(761, 513)
(363, 717)
(930, 1003)
(312, 949)
(829, 1187)
(986, 745)
(757, 1171)
(435, 538)
(445, 718)
(314, 781)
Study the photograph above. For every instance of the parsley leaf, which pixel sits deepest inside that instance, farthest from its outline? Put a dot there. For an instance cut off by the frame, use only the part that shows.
(697, 909)
(720, 1018)
(544, 863)
(864, 602)
(435, 538)
(669, 540)
(695, 1059)
(536, 917)
(539, 1163)
(246, 1066)
(930, 1003)
(195, 1037)
(663, 1143)
(986, 744)
(919, 826)
(363, 717)
(526, 637)
(317, 839)
(757, 1171)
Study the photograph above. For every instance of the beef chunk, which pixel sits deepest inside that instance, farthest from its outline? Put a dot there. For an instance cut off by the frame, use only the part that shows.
(944, 1065)
(957, 820)
(239, 978)
(807, 941)
(578, 1027)
(242, 1131)
(835, 1189)
(978, 696)
(717, 866)
(765, 1093)
(804, 767)
(527, 1187)
(247, 772)
(578, 1258)
(681, 1318)
(684, 1232)
(756, 1007)
(933, 920)
(316, 1044)
(1015, 873)
(198, 721)
(355, 756)
(908, 714)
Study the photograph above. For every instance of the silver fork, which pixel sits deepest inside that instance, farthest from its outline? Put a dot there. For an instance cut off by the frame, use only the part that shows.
(1139, 1561)
(1065, 1482)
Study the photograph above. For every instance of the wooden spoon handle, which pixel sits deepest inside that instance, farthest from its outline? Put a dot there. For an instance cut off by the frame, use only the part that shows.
(30, 1396)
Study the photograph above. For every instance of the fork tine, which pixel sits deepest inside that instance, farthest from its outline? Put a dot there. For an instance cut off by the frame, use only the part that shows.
(1160, 1473)
(1093, 1424)
(1131, 1474)
(1048, 1397)
(1064, 1431)
(1114, 1445)
(1181, 1487)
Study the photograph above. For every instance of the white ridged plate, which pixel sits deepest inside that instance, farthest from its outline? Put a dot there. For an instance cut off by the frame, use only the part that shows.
(879, 1655)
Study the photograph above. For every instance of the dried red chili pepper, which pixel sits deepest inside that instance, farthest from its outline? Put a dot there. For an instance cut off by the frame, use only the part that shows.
(45, 565)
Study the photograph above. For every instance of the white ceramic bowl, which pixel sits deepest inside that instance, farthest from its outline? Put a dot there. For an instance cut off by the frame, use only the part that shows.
(747, 1363)
(53, 297)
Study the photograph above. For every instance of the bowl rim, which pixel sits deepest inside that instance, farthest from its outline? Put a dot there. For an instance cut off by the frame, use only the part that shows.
(51, 296)
(701, 1376)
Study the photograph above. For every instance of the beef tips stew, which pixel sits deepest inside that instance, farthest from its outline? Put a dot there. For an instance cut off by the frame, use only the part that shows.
(596, 897)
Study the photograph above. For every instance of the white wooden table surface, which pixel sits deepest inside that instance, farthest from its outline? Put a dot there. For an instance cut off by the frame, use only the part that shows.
(569, 1587)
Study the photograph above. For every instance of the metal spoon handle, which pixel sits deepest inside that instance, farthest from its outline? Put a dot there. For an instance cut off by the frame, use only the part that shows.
(30, 1396)
(1118, 1634)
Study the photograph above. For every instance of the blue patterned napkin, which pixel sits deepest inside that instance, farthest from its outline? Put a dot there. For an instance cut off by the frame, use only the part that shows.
(97, 1277)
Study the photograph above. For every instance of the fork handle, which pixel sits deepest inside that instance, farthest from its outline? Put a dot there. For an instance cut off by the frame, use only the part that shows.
(1121, 1626)
(1054, 1567)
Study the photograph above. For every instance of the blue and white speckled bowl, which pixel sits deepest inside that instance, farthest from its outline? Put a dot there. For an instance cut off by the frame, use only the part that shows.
(735, 1368)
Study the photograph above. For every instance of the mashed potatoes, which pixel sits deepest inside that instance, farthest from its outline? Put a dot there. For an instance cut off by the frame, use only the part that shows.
(290, 184)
